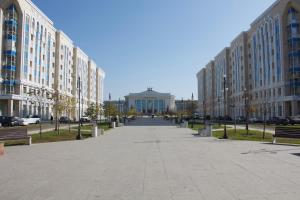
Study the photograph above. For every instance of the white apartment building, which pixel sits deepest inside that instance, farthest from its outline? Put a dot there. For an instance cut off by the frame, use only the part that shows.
(209, 88)
(37, 61)
(64, 64)
(81, 70)
(201, 91)
(27, 59)
(221, 65)
(92, 82)
(238, 70)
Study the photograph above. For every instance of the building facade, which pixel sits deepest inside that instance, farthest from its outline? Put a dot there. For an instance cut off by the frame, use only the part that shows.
(263, 75)
(209, 89)
(201, 77)
(151, 102)
(221, 70)
(36, 62)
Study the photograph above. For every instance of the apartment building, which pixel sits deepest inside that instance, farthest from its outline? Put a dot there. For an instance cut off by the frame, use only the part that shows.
(221, 71)
(36, 62)
(209, 89)
(201, 91)
(238, 70)
(264, 65)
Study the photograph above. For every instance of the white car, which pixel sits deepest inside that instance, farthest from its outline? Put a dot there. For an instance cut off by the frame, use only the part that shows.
(23, 122)
(32, 119)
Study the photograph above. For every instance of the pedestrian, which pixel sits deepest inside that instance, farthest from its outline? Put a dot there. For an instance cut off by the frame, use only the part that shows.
(51, 119)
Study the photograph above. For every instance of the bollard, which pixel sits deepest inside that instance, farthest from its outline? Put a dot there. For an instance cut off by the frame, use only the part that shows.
(1, 149)
(95, 131)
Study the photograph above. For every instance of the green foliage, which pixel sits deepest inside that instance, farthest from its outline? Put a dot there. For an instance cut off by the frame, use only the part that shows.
(110, 110)
(132, 112)
(93, 111)
(191, 108)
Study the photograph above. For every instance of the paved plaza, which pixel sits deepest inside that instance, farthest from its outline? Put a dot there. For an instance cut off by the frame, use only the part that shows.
(150, 162)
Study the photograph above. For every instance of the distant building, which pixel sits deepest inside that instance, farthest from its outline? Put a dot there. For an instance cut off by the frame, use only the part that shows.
(151, 102)
(120, 105)
(186, 105)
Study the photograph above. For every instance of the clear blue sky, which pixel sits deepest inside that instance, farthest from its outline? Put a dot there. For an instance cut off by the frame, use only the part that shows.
(157, 43)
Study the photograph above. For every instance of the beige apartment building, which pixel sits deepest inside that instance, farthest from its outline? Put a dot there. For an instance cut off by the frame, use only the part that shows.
(263, 74)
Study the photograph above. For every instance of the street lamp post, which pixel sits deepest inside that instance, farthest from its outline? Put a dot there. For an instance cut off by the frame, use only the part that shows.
(204, 114)
(79, 136)
(246, 110)
(225, 136)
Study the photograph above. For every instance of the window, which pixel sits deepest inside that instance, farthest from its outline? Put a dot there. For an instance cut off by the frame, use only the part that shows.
(279, 91)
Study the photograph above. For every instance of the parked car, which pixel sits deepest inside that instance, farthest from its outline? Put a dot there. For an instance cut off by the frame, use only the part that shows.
(241, 119)
(296, 119)
(278, 121)
(228, 118)
(256, 120)
(35, 119)
(23, 122)
(64, 120)
(10, 121)
(1, 120)
(291, 121)
(85, 119)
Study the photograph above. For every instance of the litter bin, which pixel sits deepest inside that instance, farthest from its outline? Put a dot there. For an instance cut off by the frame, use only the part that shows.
(95, 131)
(113, 125)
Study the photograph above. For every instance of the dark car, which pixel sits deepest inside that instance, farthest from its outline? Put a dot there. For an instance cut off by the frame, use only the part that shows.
(1, 119)
(228, 118)
(278, 121)
(241, 119)
(296, 119)
(10, 121)
(64, 120)
(291, 121)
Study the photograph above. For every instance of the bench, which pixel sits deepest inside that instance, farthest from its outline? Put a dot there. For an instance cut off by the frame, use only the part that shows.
(14, 134)
(286, 132)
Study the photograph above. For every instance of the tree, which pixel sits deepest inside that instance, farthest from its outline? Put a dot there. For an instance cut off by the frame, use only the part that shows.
(110, 110)
(93, 111)
(58, 107)
(132, 111)
(70, 107)
(191, 108)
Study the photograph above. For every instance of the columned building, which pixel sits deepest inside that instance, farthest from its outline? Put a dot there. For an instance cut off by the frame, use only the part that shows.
(39, 64)
(263, 74)
(151, 102)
